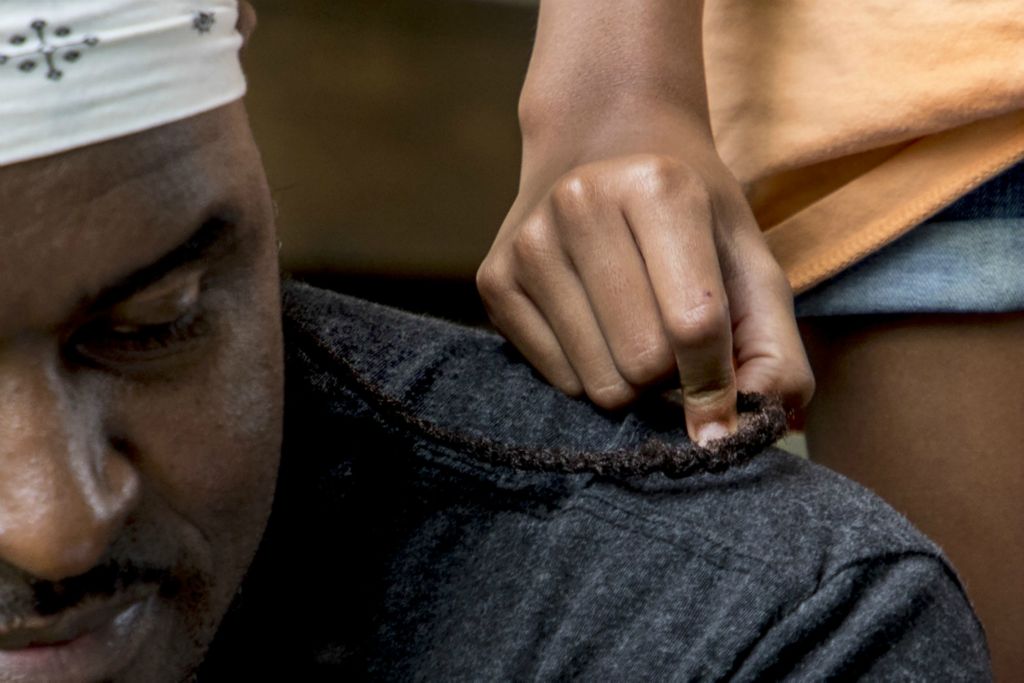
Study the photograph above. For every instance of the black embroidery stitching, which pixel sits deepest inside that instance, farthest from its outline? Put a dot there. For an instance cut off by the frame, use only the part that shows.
(204, 21)
(48, 51)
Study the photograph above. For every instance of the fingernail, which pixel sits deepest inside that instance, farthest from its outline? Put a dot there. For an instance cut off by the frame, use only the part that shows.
(711, 432)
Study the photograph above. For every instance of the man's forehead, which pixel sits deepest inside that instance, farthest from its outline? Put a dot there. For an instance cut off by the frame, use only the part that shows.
(73, 224)
(81, 179)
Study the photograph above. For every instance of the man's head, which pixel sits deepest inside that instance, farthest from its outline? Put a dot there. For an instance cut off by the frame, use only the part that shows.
(140, 394)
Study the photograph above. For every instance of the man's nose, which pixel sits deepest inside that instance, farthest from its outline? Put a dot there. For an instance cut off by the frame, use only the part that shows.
(64, 491)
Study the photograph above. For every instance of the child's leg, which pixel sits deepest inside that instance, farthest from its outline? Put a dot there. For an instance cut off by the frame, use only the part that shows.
(928, 411)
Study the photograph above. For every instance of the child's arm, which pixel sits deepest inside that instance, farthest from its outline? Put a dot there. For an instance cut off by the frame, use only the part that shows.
(631, 253)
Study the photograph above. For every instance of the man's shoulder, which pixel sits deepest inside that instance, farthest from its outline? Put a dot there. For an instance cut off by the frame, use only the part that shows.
(473, 387)
(586, 573)
(462, 392)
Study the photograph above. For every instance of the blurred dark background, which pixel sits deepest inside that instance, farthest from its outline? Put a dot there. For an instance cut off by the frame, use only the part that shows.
(389, 132)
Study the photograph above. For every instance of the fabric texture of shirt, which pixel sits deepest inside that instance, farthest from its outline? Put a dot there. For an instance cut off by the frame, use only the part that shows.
(398, 550)
(849, 123)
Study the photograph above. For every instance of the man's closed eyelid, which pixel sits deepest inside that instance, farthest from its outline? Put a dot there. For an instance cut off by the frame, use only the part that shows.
(165, 301)
(213, 241)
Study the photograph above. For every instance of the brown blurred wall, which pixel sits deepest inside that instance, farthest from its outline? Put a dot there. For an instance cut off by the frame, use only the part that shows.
(389, 131)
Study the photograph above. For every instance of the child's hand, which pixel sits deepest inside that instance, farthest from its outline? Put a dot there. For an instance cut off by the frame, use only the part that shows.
(615, 274)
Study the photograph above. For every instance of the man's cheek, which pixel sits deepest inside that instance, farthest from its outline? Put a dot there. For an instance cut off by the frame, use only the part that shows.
(209, 440)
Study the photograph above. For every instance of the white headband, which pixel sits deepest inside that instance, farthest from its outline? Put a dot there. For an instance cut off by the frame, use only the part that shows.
(77, 72)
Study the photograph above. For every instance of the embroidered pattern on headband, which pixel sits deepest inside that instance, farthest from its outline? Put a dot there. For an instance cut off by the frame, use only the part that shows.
(75, 73)
(204, 21)
(47, 51)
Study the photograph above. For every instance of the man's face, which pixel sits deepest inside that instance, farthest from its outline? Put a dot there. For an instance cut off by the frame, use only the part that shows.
(140, 398)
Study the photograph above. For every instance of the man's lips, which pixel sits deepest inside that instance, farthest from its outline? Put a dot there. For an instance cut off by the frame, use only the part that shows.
(92, 641)
(73, 623)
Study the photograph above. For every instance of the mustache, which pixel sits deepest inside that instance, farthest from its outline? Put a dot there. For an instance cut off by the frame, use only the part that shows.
(23, 597)
(104, 581)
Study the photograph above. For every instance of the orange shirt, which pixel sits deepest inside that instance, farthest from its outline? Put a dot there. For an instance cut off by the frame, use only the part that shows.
(848, 123)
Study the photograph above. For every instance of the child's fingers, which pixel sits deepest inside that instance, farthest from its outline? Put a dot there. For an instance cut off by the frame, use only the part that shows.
(629, 269)
(547, 277)
(518, 319)
(607, 260)
(769, 351)
(671, 215)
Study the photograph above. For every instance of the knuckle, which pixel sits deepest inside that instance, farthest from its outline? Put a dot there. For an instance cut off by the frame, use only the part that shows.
(697, 326)
(493, 282)
(803, 385)
(711, 395)
(647, 362)
(659, 175)
(662, 176)
(792, 380)
(574, 194)
(533, 242)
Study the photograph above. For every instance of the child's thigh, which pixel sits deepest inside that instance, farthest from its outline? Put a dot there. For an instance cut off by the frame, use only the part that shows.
(928, 411)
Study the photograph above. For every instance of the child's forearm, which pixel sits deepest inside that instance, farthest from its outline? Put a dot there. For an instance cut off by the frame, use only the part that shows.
(597, 58)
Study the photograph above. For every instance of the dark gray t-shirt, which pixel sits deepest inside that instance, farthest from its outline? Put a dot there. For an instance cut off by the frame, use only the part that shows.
(400, 547)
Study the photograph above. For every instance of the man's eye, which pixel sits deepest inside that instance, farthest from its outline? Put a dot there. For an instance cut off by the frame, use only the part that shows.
(103, 341)
(160, 322)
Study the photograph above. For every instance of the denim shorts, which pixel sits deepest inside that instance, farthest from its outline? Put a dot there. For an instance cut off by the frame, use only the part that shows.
(968, 258)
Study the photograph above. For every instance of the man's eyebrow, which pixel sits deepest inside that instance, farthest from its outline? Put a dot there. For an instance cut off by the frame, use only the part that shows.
(213, 236)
